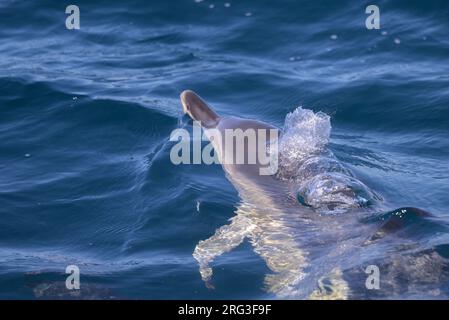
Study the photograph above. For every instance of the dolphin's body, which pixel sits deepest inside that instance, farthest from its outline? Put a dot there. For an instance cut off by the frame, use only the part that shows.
(279, 227)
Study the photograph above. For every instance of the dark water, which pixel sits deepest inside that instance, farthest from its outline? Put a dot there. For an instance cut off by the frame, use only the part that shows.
(85, 117)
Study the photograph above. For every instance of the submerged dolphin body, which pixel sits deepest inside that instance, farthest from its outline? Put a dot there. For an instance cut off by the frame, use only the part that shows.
(307, 252)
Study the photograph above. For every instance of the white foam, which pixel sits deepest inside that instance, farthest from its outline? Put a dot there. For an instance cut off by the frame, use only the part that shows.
(305, 133)
(321, 181)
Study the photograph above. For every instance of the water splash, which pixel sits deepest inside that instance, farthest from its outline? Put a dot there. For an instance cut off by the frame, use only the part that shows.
(320, 180)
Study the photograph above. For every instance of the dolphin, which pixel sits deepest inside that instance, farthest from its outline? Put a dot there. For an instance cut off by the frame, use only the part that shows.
(279, 214)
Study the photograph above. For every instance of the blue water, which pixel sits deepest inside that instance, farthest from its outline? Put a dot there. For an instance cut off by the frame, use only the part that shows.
(85, 119)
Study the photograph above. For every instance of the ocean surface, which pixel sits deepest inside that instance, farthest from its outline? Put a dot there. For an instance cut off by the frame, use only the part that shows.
(86, 115)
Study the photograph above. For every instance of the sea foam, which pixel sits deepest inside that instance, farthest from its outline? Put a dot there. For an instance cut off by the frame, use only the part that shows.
(320, 180)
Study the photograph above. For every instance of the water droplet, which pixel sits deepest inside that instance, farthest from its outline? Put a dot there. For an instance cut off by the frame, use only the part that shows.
(198, 206)
(384, 33)
(334, 37)
(211, 6)
(227, 5)
(248, 14)
(27, 155)
(397, 41)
